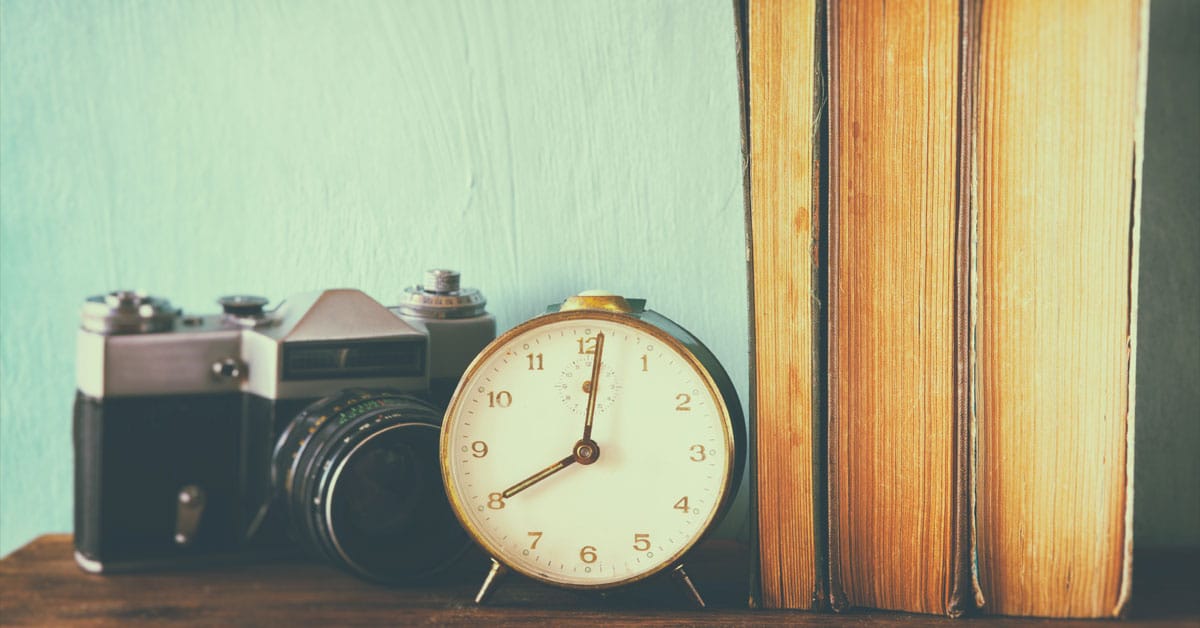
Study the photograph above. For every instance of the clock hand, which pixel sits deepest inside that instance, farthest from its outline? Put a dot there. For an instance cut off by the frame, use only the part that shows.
(585, 450)
(591, 403)
(539, 476)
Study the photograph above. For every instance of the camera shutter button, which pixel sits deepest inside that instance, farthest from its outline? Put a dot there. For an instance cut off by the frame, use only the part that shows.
(243, 305)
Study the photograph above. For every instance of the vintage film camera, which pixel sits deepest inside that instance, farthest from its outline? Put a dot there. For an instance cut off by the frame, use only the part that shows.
(196, 436)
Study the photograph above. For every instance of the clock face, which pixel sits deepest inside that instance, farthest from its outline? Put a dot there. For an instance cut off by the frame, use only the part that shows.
(579, 506)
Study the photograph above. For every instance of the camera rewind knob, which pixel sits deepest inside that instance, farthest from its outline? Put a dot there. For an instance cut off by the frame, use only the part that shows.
(127, 312)
(440, 295)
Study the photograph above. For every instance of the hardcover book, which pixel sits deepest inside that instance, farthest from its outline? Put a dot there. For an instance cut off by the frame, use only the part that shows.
(898, 499)
(944, 290)
(1056, 162)
(780, 45)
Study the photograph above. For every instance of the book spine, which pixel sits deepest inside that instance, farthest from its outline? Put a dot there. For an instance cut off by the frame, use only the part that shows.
(962, 591)
(972, 24)
(837, 596)
(741, 15)
(820, 314)
(1135, 239)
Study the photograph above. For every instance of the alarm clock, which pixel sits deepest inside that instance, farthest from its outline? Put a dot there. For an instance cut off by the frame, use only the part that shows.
(591, 447)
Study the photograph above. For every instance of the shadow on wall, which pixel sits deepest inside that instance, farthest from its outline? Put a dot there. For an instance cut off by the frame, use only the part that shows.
(1167, 449)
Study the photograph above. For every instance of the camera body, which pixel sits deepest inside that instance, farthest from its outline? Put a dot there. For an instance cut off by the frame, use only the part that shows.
(177, 418)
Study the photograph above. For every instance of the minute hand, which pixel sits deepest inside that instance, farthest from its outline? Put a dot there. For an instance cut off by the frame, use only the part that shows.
(591, 403)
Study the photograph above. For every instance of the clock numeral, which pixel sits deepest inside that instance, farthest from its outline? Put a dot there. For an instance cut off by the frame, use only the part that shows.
(697, 453)
(535, 361)
(588, 554)
(537, 536)
(479, 449)
(681, 505)
(502, 399)
(641, 542)
(496, 501)
(645, 363)
(684, 400)
(586, 345)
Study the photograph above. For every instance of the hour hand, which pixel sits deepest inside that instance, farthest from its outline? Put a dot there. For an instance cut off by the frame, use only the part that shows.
(539, 476)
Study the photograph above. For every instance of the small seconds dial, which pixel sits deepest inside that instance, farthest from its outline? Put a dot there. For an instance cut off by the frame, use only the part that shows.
(587, 449)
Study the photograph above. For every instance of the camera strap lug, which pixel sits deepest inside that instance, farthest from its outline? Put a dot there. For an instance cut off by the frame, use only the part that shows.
(188, 511)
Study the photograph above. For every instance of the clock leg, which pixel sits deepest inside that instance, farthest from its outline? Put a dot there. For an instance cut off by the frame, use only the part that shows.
(682, 578)
(489, 582)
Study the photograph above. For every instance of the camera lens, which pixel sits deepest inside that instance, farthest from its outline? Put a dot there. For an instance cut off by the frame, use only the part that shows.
(360, 478)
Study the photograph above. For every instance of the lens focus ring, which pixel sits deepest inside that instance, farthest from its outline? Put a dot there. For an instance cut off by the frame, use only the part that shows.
(359, 474)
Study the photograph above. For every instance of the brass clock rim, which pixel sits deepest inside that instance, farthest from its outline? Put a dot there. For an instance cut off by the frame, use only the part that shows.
(632, 320)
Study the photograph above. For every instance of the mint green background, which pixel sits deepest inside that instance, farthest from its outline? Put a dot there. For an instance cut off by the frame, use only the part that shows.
(271, 146)
(202, 148)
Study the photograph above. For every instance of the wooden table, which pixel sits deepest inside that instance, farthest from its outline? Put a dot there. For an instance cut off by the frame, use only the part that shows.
(40, 585)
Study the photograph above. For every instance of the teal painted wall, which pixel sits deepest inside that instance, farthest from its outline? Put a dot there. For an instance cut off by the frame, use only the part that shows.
(201, 148)
(271, 146)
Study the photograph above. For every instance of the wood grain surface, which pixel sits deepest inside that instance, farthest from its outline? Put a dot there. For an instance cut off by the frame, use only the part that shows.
(40, 585)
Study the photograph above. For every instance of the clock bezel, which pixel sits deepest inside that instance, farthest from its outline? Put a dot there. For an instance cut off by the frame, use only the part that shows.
(693, 352)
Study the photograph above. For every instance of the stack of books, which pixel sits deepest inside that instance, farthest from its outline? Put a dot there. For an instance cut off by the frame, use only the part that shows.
(943, 218)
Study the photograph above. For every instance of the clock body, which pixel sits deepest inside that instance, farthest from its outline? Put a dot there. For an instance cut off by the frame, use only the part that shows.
(660, 462)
